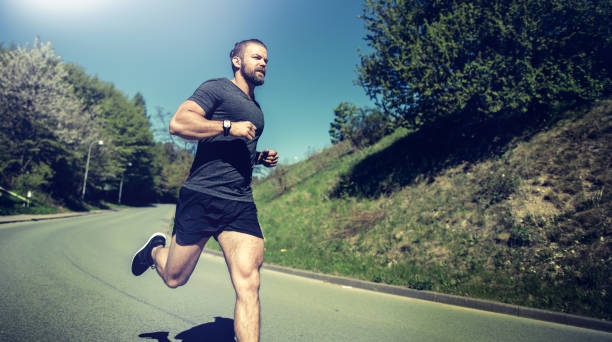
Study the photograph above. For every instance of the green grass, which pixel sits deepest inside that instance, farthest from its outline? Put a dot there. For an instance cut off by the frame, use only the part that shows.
(521, 218)
(43, 204)
(10, 205)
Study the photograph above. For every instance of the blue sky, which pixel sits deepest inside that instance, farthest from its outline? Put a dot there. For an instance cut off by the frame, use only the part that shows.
(165, 49)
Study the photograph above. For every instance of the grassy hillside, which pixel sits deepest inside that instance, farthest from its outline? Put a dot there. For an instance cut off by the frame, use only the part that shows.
(497, 211)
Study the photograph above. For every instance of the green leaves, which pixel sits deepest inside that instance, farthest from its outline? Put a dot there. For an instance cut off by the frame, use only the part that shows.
(51, 112)
(360, 126)
(128, 139)
(434, 59)
(342, 114)
(40, 118)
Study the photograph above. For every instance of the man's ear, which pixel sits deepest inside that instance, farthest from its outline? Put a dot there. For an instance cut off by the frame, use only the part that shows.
(237, 62)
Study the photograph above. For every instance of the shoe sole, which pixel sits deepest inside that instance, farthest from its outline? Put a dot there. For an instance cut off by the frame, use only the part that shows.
(146, 244)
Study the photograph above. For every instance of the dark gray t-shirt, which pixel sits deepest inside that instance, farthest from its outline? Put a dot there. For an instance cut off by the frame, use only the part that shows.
(223, 166)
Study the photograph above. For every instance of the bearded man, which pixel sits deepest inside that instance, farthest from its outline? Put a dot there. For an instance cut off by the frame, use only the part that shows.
(216, 200)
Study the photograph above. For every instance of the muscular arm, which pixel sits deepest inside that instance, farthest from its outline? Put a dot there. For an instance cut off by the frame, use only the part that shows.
(189, 123)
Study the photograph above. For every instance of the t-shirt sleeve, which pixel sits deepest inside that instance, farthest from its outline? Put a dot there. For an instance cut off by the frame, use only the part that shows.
(205, 96)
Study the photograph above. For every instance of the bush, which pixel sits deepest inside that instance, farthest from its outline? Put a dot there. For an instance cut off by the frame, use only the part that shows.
(368, 127)
(360, 126)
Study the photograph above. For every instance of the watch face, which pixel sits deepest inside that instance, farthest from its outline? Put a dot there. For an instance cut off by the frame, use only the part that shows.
(226, 124)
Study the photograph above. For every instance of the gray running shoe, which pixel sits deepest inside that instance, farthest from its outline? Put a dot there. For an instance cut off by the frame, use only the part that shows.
(142, 259)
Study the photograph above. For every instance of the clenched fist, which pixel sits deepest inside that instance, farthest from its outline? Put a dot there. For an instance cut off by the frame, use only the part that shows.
(243, 129)
(268, 158)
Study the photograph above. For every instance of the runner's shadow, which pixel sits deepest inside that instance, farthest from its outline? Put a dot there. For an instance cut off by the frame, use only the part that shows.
(160, 336)
(221, 330)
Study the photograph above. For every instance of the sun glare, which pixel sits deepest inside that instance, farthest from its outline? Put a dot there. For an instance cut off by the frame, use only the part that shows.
(64, 7)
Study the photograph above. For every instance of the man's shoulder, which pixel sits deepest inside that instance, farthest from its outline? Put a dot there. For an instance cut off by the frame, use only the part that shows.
(214, 82)
(216, 87)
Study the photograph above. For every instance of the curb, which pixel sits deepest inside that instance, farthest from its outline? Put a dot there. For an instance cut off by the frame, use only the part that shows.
(473, 303)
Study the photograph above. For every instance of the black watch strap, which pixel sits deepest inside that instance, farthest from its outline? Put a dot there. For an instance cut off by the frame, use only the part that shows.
(226, 127)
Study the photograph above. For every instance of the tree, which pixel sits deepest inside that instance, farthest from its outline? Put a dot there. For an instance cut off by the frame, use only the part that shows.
(90, 90)
(42, 123)
(50, 113)
(339, 126)
(368, 126)
(361, 126)
(132, 142)
(129, 150)
(175, 164)
(434, 59)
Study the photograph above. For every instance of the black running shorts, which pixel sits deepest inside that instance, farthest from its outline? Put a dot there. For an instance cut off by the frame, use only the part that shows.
(199, 215)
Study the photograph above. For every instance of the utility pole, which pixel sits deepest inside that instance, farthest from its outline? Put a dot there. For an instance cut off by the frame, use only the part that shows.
(121, 184)
(99, 142)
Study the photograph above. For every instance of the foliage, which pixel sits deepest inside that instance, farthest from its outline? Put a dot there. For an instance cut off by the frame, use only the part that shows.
(53, 114)
(128, 127)
(339, 127)
(361, 126)
(42, 123)
(34, 89)
(435, 59)
(368, 127)
(175, 165)
(149, 169)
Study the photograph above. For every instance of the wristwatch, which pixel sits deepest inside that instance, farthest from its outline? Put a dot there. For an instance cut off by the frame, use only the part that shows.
(226, 127)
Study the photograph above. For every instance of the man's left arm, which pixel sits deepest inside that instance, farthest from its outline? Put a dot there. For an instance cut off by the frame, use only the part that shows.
(267, 158)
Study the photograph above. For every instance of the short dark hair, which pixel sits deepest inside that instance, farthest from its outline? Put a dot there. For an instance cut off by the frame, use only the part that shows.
(238, 49)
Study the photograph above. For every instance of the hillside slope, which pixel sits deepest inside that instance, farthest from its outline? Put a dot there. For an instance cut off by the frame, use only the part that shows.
(524, 220)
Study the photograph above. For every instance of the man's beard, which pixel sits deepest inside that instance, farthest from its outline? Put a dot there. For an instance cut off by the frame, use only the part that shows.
(251, 77)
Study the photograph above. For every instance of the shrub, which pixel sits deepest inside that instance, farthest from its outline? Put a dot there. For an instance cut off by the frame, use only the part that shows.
(360, 126)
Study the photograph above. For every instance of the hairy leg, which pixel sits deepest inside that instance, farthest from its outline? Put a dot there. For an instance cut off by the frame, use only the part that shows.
(176, 263)
(244, 256)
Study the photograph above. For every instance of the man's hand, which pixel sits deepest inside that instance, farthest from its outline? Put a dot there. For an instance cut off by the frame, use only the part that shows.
(268, 158)
(243, 129)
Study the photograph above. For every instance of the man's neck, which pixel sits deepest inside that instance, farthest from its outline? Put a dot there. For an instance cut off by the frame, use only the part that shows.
(245, 86)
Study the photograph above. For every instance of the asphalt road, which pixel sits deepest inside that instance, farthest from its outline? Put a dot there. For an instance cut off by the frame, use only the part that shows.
(70, 280)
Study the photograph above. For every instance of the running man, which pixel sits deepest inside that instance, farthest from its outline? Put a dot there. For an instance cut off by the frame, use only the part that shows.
(216, 199)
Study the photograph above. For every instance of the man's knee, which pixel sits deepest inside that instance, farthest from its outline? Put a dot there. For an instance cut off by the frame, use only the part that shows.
(173, 284)
(247, 285)
(174, 281)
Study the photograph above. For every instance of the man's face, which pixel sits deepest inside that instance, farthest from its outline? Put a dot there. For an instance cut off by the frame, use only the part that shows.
(254, 61)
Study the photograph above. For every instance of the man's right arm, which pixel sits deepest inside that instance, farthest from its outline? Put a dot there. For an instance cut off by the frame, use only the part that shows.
(189, 122)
